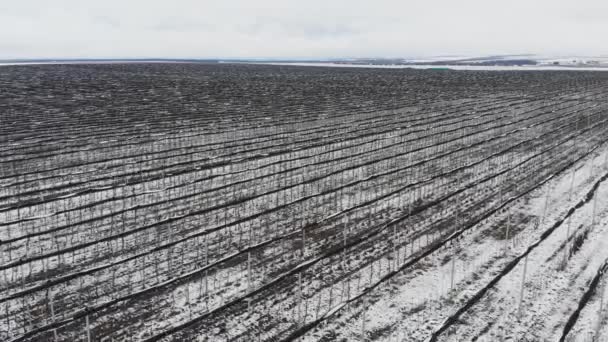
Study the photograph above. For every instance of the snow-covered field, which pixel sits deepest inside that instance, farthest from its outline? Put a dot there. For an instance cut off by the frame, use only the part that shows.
(451, 67)
(240, 202)
(532, 304)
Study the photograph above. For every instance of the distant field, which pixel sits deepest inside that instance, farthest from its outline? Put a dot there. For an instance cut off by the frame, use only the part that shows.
(236, 202)
(469, 67)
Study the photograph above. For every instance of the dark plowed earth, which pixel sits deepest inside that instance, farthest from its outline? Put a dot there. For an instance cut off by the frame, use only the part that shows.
(244, 202)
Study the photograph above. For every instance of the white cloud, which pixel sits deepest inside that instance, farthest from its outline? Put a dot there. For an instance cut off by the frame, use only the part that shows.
(289, 28)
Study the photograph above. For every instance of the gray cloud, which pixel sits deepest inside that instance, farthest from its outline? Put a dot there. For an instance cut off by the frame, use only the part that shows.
(292, 28)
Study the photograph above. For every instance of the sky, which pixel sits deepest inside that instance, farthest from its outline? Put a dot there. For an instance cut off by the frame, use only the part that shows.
(300, 29)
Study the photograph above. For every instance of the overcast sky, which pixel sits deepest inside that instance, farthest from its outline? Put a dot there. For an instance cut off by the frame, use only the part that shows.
(300, 28)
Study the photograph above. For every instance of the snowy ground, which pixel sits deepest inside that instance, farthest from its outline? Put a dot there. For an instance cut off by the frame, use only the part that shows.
(452, 67)
(559, 267)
